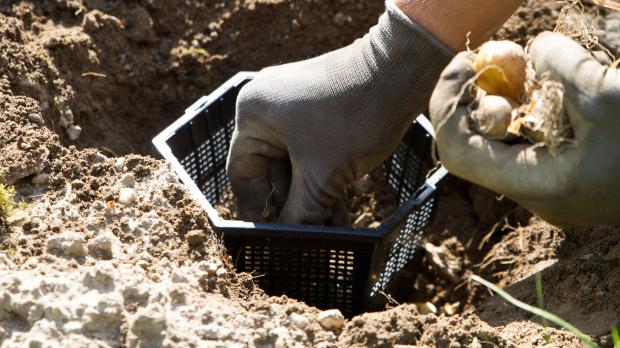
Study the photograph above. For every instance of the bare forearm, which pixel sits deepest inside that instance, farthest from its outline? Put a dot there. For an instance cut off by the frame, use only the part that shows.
(451, 20)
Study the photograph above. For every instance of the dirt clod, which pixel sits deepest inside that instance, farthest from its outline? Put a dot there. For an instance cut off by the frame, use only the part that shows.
(331, 319)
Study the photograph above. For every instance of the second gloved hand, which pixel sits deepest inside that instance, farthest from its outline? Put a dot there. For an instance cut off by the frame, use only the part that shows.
(577, 186)
(305, 130)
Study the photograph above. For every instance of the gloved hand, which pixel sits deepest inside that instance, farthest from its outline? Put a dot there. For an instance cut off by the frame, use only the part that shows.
(305, 130)
(578, 186)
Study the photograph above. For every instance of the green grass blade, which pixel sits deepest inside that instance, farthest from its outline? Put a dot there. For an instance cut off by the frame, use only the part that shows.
(539, 291)
(537, 311)
(615, 336)
(541, 304)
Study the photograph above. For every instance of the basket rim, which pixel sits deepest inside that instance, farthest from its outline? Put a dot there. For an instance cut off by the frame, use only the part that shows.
(238, 227)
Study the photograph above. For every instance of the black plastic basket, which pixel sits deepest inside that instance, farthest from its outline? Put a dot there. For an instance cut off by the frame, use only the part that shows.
(328, 267)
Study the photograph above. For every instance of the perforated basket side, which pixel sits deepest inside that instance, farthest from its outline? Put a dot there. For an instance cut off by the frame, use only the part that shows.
(326, 274)
(406, 170)
(201, 145)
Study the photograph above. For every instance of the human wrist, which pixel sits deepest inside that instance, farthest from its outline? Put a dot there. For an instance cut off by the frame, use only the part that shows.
(451, 21)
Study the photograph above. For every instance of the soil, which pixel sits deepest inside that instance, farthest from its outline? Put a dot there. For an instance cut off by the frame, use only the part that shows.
(106, 248)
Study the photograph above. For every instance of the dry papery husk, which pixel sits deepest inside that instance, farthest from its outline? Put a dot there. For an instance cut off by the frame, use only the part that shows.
(542, 121)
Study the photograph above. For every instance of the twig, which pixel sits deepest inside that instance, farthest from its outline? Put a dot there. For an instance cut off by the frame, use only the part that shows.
(93, 74)
(390, 299)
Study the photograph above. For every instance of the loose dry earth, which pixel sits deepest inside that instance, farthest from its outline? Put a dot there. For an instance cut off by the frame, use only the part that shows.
(109, 250)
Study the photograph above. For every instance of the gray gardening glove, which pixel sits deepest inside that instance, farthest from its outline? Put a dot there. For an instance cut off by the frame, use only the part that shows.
(578, 186)
(305, 130)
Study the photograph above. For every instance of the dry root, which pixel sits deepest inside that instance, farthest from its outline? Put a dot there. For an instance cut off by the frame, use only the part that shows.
(542, 121)
(576, 24)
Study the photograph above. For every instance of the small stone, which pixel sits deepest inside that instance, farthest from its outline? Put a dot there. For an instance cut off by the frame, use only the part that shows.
(450, 308)
(128, 180)
(69, 244)
(2, 332)
(178, 295)
(74, 132)
(99, 205)
(359, 322)
(221, 273)
(363, 220)
(101, 246)
(212, 268)
(100, 278)
(426, 308)
(35, 118)
(17, 217)
(178, 277)
(97, 158)
(299, 321)
(119, 164)
(149, 323)
(375, 224)
(331, 319)
(196, 238)
(41, 179)
(35, 343)
(127, 196)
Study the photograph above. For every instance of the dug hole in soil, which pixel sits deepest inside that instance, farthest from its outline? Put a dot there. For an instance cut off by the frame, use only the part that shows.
(106, 247)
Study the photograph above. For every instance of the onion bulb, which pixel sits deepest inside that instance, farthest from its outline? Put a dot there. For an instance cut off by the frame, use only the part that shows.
(502, 67)
(494, 116)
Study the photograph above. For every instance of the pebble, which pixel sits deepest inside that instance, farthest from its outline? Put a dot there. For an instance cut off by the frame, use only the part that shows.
(375, 224)
(221, 273)
(41, 179)
(74, 132)
(67, 243)
(212, 268)
(99, 205)
(426, 308)
(149, 322)
(359, 322)
(299, 321)
(196, 238)
(17, 217)
(119, 164)
(127, 196)
(101, 245)
(331, 319)
(128, 180)
(34, 118)
(450, 308)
